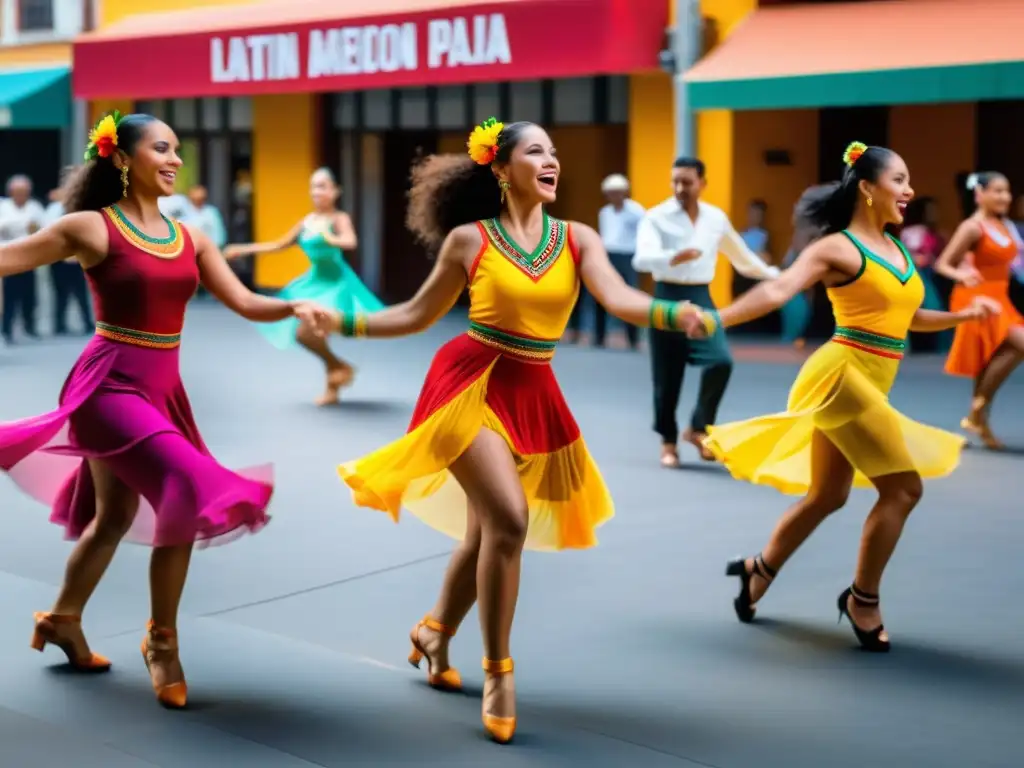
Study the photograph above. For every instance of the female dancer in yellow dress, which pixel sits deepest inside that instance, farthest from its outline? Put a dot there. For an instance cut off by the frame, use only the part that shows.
(839, 428)
(493, 455)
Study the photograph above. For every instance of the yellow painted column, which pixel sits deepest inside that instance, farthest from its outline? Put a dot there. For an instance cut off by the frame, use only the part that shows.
(715, 140)
(98, 107)
(284, 154)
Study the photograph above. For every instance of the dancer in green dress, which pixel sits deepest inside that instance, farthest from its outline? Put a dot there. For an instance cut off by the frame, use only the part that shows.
(330, 281)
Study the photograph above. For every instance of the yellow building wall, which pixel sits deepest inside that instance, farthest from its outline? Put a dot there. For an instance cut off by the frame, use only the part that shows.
(115, 10)
(715, 139)
(937, 141)
(284, 154)
(651, 141)
(41, 55)
(795, 131)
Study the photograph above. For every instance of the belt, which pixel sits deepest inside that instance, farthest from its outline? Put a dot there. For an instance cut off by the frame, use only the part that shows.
(516, 345)
(138, 338)
(873, 343)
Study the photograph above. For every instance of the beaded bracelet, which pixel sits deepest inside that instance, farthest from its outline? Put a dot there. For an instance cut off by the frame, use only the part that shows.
(662, 316)
(353, 324)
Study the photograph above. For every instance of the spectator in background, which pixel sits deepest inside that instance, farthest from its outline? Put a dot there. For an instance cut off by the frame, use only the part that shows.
(925, 242)
(67, 276)
(20, 216)
(617, 223)
(205, 217)
(798, 311)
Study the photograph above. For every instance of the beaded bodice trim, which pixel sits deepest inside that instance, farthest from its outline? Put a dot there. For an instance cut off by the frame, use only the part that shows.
(169, 247)
(534, 264)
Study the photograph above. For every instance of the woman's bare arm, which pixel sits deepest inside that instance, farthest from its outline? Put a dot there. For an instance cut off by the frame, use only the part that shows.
(950, 263)
(255, 249)
(344, 234)
(77, 235)
(435, 297)
(812, 266)
(605, 283)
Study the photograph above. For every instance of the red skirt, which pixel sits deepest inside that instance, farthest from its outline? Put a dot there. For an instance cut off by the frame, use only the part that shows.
(473, 384)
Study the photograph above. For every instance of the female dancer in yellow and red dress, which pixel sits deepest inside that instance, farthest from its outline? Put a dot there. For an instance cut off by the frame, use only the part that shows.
(978, 261)
(493, 455)
(121, 455)
(839, 428)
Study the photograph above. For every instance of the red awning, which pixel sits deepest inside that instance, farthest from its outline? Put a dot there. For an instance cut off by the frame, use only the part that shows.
(315, 45)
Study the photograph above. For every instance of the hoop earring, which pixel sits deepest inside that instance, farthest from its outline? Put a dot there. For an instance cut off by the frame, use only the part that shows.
(124, 181)
(870, 202)
(504, 190)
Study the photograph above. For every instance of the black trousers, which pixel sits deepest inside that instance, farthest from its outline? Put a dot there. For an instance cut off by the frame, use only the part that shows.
(69, 285)
(19, 299)
(672, 351)
(622, 262)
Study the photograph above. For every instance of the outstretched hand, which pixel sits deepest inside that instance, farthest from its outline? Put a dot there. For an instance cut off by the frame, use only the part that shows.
(319, 320)
(980, 308)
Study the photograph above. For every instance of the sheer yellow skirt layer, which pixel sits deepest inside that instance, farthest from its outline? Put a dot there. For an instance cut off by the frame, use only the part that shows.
(842, 392)
(469, 388)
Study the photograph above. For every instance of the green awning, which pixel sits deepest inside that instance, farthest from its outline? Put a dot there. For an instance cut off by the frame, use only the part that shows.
(817, 55)
(35, 98)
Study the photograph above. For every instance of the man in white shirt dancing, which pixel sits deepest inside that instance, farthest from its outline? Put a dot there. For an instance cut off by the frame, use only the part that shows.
(678, 242)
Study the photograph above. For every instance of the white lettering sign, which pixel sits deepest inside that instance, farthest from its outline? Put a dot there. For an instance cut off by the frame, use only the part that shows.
(362, 50)
(480, 40)
(462, 42)
(255, 58)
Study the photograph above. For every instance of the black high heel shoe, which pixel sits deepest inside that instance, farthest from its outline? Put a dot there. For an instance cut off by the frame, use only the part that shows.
(743, 605)
(871, 640)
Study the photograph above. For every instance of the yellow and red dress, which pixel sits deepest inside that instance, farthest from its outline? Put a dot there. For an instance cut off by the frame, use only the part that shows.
(498, 376)
(842, 390)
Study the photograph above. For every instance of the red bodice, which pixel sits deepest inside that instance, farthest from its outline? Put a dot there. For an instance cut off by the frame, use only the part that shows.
(142, 286)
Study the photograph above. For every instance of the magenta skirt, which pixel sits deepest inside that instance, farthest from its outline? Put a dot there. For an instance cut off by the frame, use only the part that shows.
(125, 406)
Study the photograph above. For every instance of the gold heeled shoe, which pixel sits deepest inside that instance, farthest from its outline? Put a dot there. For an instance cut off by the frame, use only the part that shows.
(500, 729)
(449, 679)
(163, 641)
(46, 632)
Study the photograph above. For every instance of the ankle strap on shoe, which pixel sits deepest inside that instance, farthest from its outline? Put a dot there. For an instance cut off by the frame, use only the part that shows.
(500, 667)
(58, 618)
(762, 569)
(161, 633)
(431, 623)
(861, 597)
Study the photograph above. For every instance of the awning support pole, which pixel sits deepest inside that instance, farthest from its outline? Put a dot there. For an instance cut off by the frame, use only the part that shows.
(686, 49)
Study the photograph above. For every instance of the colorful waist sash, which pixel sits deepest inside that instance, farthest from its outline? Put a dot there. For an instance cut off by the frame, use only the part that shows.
(874, 343)
(524, 347)
(138, 338)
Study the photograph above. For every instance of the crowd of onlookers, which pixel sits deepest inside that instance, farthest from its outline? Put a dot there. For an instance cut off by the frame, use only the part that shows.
(62, 285)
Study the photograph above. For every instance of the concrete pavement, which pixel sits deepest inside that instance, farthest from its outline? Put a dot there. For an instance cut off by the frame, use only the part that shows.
(294, 641)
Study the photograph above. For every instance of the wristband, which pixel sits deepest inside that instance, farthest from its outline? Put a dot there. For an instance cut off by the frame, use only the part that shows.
(353, 324)
(662, 315)
(711, 321)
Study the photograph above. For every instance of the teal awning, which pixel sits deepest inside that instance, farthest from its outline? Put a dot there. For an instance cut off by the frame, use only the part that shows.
(35, 98)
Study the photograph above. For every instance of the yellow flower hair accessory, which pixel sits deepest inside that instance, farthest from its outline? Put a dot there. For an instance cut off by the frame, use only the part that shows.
(103, 137)
(853, 153)
(483, 141)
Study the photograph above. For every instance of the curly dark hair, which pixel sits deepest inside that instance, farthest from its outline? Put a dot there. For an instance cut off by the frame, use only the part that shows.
(97, 184)
(448, 191)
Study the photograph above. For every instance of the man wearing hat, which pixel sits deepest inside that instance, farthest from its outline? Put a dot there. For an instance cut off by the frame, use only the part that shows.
(617, 223)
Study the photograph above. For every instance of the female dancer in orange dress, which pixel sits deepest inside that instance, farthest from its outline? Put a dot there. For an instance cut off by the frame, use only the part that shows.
(978, 260)
(493, 455)
(121, 455)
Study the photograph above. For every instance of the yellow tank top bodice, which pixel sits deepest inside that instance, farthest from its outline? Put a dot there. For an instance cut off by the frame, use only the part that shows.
(873, 310)
(527, 297)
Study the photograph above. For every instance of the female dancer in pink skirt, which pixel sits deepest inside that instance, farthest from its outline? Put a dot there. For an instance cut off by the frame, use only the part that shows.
(122, 454)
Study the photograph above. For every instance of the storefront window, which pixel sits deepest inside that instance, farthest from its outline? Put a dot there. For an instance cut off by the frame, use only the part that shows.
(528, 101)
(413, 108)
(486, 101)
(574, 101)
(377, 110)
(451, 106)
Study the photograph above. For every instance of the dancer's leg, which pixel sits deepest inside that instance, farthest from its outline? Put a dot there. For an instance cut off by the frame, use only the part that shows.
(487, 472)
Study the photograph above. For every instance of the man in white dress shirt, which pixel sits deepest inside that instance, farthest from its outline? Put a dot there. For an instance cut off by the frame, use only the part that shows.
(678, 242)
(20, 216)
(617, 223)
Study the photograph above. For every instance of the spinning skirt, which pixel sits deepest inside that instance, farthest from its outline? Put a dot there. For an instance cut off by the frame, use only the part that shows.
(974, 343)
(473, 385)
(342, 291)
(842, 391)
(125, 406)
